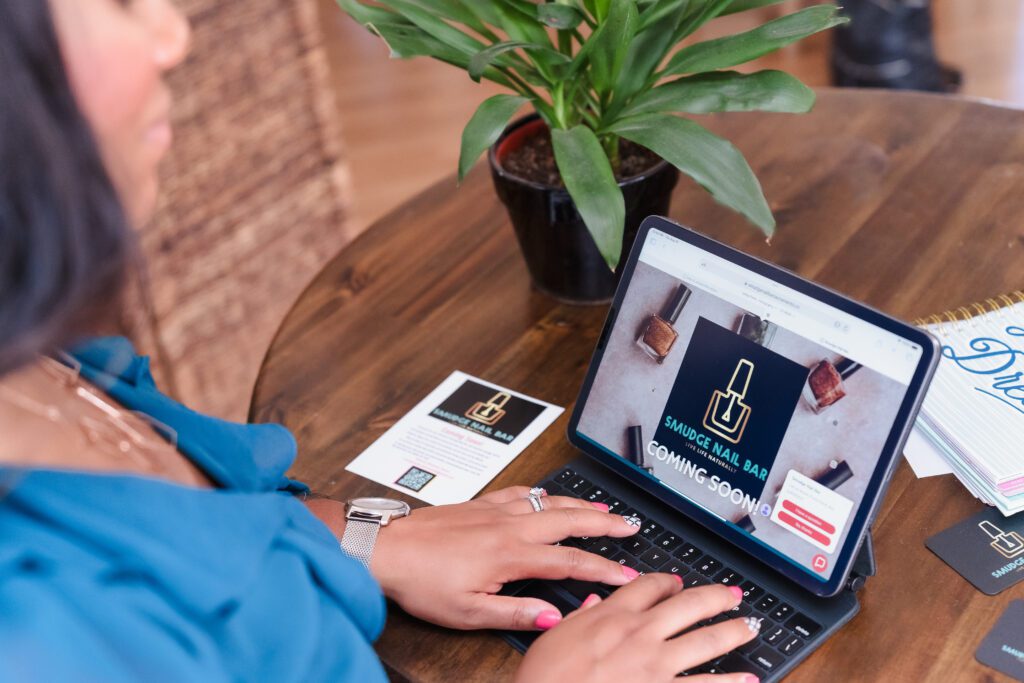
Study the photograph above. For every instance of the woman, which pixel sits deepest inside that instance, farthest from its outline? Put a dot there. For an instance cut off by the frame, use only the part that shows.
(142, 541)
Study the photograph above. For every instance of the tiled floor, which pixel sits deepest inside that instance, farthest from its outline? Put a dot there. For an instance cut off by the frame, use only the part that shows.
(402, 119)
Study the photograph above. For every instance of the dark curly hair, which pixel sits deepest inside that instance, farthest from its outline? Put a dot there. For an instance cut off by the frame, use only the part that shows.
(65, 242)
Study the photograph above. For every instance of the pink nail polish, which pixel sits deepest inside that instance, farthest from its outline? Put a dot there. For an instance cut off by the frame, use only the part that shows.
(591, 599)
(736, 591)
(600, 506)
(751, 678)
(547, 619)
(678, 578)
(630, 572)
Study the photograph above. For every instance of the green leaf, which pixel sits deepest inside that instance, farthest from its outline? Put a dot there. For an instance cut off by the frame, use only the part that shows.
(611, 43)
(711, 161)
(589, 179)
(436, 27)
(481, 60)
(769, 90)
(562, 17)
(485, 127)
(729, 51)
(648, 49)
(660, 11)
(365, 14)
(744, 5)
(602, 8)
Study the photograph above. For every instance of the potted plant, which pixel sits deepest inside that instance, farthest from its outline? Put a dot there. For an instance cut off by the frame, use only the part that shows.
(606, 80)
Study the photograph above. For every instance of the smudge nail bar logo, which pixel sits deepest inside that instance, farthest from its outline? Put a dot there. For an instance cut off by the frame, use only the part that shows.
(727, 414)
(485, 411)
(1009, 544)
(491, 411)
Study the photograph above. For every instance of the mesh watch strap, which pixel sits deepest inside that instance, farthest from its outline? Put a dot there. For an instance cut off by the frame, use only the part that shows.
(359, 538)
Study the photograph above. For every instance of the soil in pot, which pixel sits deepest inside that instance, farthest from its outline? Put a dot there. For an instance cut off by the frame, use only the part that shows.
(534, 160)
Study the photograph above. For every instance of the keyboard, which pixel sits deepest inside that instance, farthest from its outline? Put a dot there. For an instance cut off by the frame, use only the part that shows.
(786, 632)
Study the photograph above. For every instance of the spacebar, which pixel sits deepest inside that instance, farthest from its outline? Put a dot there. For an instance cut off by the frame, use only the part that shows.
(538, 589)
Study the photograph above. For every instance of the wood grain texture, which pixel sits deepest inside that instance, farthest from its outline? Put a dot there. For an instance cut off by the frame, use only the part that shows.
(910, 202)
(254, 197)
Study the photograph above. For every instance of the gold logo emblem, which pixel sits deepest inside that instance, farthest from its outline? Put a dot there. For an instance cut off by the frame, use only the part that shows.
(1009, 544)
(727, 414)
(489, 412)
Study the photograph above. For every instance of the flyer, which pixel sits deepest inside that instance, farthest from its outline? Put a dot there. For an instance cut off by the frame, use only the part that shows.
(454, 441)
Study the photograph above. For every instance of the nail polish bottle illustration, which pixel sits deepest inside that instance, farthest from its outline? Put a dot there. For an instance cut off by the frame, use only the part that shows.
(637, 454)
(825, 383)
(489, 412)
(659, 333)
(727, 414)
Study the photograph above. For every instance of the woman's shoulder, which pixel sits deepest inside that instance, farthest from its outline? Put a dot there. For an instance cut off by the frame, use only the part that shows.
(248, 457)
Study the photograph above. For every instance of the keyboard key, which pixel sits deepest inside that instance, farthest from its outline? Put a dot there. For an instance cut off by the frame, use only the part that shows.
(564, 476)
(604, 548)
(740, 610)
(635, 513)
(552, 488)
(623, 558)
(749, 646)
(803, 625)
(635, 546)
(694, 579)
(579, 589)
(734, 663)
(675, 567)
(595, 494)
(708, 566)
(577, 486)
(728, 577)
(775, 635)
(651, 529)
(655, 557)
(791, 645)
(767, 603)
(781, 612)
(767, 659)
(668, 541)
(615, 506)
(688, 553)
(751, 591)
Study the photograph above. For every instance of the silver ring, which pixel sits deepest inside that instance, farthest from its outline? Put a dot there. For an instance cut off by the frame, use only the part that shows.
(534, 496)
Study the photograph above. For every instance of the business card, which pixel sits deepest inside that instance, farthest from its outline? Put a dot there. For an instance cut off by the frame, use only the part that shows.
(986, 549)
(455, 440)
(1003, 647)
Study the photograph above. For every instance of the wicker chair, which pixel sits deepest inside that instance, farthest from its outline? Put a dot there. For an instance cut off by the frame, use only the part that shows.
(254, 198)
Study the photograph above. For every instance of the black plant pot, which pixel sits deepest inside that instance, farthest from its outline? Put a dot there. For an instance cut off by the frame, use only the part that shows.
(562, 257)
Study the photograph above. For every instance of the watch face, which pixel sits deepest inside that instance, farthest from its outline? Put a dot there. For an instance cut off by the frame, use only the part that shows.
(381, 504)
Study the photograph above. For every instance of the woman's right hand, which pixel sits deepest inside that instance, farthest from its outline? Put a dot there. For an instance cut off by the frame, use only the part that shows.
(629, 636)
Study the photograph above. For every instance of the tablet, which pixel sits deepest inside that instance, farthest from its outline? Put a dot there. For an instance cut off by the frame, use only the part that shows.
(765, 407)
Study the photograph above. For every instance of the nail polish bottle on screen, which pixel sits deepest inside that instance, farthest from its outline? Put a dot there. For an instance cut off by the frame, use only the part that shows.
(659, 333)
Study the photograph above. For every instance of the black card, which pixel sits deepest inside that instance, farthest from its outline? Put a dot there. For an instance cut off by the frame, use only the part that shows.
(986, 549)
(1003, 647)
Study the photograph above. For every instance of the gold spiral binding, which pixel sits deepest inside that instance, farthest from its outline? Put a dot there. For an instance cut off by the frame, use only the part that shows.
(959, 318)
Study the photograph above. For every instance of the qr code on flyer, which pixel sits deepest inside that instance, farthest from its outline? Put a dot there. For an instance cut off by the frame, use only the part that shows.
(415, 479)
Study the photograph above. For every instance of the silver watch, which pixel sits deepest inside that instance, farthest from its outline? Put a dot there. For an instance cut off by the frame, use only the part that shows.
(365, 517)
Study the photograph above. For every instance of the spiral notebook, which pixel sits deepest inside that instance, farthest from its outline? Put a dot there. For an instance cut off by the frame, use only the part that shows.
(973, 416)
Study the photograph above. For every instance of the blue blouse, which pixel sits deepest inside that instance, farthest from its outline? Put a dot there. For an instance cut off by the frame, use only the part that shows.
(129, 578)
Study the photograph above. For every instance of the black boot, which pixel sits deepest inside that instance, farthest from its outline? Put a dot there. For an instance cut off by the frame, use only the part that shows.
(888, 44)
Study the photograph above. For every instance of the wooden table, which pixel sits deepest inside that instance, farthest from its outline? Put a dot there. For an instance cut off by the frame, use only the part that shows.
(910, 202)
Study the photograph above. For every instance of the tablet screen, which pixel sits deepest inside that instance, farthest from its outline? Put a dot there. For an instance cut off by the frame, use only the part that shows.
(765, 407)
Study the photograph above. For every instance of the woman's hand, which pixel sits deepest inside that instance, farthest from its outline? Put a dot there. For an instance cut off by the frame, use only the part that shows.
(444, 564)
(629, 636)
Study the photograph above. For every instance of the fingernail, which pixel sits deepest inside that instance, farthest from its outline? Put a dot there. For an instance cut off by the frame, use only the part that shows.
(753, 623)
(547, 619)
(600, 506)
(678, 578)
(591, 599)
(630, 572)
(751, 678)
(632, 520)
(736, 591)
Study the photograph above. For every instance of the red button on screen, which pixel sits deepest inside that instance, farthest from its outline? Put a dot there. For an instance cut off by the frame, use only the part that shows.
(808, 517)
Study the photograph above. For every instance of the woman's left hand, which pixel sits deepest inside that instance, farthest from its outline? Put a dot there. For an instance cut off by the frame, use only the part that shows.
(445, 564)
